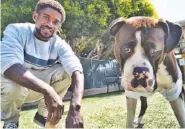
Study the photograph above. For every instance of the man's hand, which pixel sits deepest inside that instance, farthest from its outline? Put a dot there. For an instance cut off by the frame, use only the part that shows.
(74, 120)
(55, 107)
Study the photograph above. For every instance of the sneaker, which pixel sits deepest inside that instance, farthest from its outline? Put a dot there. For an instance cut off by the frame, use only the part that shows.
(11, 125)
(40, 120)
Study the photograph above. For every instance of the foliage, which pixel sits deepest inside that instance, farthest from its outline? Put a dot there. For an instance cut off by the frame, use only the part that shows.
(85, 19)
(16, 11)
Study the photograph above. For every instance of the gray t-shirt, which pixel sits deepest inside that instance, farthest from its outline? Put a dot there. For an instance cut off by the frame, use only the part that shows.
(19, 45)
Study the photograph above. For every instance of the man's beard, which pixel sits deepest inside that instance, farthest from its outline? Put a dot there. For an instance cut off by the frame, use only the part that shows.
(40, 36)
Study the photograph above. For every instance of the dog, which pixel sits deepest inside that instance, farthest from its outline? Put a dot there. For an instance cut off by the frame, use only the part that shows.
(144, 50)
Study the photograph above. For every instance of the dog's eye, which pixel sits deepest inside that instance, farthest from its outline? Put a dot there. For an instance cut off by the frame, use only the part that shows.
(127, 50)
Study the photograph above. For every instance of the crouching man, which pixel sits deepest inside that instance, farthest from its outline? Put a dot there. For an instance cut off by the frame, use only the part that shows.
(36, 64)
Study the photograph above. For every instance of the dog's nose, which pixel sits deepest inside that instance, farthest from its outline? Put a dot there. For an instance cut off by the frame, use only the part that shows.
(140, 77)
(138, 69)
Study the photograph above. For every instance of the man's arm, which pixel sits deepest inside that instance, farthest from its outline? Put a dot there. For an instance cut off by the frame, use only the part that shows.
(74, 119)
(20, 75)
(77, 86)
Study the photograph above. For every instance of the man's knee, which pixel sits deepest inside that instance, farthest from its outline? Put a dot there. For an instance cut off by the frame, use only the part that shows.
(60, 74)
(11, 91)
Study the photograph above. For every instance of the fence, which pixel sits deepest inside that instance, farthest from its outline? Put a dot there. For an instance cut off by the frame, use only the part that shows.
(100, 77)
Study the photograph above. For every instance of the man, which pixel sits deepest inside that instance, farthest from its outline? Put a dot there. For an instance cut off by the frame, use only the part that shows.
(33, 64)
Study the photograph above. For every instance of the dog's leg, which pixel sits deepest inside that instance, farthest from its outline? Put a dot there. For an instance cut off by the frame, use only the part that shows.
(178, 107)
(142, 111)
(131, 108)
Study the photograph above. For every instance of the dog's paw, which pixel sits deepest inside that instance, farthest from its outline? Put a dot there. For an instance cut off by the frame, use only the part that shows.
(138, 123)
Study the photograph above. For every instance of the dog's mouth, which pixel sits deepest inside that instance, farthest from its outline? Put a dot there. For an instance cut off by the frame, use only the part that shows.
(140, 80)
(138, 84)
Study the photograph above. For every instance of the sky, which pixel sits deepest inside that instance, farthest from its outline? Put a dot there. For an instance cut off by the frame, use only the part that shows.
(172, 10)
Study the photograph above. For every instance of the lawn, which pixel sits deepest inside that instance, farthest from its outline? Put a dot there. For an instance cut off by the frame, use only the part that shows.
(109, 111)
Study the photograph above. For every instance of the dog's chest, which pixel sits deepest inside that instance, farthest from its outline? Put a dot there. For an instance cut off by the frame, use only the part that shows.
(164, 79)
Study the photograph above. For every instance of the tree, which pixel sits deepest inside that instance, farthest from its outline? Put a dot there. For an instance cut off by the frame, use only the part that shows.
(16, 11)
(85, 19)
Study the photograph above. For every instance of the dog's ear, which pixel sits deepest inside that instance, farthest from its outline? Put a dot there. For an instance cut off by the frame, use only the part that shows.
(116, 25)
(173, 34)
(113, 29)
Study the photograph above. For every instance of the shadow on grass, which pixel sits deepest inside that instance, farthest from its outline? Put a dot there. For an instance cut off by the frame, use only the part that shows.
(103, 95)
(30, 107)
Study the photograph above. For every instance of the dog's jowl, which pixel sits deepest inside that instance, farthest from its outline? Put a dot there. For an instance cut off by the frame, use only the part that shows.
(144, 50)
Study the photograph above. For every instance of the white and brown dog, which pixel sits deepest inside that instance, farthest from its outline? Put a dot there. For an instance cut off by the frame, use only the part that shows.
(143, 48)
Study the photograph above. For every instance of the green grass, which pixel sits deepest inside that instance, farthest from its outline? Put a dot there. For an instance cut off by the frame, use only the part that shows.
(109, 111)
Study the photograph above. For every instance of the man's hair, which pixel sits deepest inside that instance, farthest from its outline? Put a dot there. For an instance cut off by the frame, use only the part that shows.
(42, 4)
